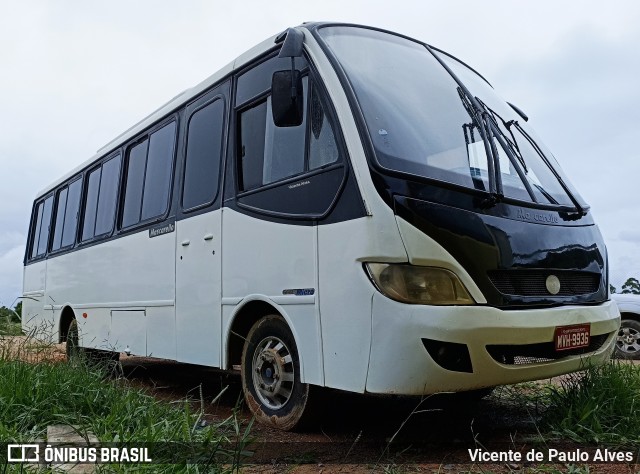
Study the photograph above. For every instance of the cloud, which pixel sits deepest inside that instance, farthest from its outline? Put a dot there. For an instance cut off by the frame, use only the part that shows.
(632, 236)
(76, 74)
(11, 256)
(11, 274)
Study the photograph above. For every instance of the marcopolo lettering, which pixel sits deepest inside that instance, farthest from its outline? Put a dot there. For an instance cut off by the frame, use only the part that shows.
(537, 217)
(164, 229)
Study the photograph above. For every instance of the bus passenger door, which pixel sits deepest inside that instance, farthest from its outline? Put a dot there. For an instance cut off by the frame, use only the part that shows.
(198, 255)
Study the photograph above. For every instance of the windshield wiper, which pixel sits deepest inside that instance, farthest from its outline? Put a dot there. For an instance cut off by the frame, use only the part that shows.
(580, 210)
(479, 116)
(479, 121)
(509, 147)
(487, 118)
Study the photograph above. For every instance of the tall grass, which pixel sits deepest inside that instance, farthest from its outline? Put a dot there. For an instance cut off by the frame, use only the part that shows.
(36, 395)
(599, 405)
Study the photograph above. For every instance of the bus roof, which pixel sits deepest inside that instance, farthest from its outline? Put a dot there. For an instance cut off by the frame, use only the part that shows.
(175, 103)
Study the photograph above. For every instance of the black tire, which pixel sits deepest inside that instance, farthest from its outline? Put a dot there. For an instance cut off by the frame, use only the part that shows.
(105, 360)
(628, 340)
(94, 357)
(72, 345)
(271, 376)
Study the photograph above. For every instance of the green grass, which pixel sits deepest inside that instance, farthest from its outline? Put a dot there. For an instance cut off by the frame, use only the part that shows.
(34, 396)
(599, 405)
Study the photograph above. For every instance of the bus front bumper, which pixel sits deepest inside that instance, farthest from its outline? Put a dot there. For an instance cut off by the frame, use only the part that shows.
(472, 347)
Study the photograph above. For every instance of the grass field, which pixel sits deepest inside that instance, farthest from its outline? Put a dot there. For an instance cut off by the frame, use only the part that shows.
(81, 394)
(598, 406)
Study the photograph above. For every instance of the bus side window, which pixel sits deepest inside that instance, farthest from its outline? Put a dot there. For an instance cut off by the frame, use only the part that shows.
(71, 214)
(269, 153)
(323, 148)
(68, 203)
(270, 159)
(149, 172)
(41, 230)
(100, 203)
(36, 230)
(60, 211)
(203, 156)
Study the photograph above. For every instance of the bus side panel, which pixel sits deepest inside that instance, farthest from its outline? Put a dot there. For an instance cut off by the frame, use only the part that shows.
(266, 258)
(36, 312)
(198, 283)
(135, 272)
(346, 293)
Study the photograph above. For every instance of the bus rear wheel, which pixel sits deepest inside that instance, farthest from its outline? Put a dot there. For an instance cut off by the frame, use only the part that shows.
(72, 345)
(271, 375)
(96, 357)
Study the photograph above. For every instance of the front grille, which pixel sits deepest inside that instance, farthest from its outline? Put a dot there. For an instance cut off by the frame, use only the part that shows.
(533, 282)
(542, 352)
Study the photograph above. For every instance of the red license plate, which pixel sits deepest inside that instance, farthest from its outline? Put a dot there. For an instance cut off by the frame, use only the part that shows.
(572, 337)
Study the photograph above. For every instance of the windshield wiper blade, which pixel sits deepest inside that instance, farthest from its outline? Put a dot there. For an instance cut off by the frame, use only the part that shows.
(580, 210)
(479, 122)
(513, 144)
(475, 112)
(514, 147)
(487, 118)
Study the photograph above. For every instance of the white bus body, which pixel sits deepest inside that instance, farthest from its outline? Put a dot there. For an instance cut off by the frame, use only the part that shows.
(207, 234)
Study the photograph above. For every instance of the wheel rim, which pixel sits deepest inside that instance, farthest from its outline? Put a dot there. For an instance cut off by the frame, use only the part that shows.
(628, 340)
(273, 372)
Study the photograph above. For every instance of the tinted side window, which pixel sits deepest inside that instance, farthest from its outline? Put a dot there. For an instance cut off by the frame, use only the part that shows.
(36, 230)
(100, 204)
(149, 171)
(157, 181)
(108, 196)
(284, 153)
(269, 153)
(71, 213)
(203, 157)
(135, 180)
(323, 149)
(90, 204)
(283, 147)
(60, 211)
(252, 133)
(43, 239)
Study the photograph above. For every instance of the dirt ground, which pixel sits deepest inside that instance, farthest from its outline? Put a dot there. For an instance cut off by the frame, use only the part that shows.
(356, 433)
(361, 434)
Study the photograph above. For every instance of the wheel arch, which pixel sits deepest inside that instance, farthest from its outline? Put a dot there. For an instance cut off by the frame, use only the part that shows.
(66, 316)
(249, 311)
(629, 315)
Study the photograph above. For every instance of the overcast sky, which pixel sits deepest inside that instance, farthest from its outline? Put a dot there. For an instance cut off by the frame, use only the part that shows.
(74, 74)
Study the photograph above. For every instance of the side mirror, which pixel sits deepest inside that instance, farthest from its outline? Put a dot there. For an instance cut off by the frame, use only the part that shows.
(286, 86)
(287, 98)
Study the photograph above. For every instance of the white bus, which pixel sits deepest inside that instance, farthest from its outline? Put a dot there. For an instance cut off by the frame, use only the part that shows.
(342, 207)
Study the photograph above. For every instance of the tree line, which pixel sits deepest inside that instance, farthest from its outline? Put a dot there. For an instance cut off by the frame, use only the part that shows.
(629, 287)
(11, 315)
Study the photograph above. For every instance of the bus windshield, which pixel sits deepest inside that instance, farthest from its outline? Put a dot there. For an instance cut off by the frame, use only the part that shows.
(420, 121)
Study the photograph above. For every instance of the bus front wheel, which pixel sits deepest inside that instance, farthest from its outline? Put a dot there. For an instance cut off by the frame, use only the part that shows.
(271, 375)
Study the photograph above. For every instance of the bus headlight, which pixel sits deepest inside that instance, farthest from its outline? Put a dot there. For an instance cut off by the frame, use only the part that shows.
(418, 285)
